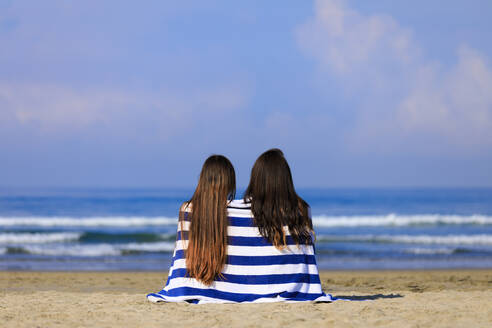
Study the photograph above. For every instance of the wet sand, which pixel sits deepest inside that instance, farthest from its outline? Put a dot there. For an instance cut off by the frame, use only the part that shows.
(448, 298)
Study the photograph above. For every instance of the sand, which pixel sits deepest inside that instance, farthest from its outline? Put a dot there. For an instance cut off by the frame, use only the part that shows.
(106, 299)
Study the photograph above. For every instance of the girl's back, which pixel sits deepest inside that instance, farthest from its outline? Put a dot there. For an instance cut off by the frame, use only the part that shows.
(255, 271)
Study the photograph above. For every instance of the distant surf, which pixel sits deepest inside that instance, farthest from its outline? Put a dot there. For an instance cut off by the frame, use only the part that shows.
(479, 239)
(400, 220)
(125, 229)
(99, 237)
(320, 221)
(89, 250)
(109, 221)
(83, 237)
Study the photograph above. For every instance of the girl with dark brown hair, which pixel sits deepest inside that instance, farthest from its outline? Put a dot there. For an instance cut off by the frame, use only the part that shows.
(275, 203)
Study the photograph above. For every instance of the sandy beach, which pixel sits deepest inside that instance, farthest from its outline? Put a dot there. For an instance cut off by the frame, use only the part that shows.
(106, 299)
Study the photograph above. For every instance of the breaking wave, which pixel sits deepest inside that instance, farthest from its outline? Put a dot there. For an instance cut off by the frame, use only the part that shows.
(400, 220)
(482, 239)
(37, 237)
(319, 221)
(110, 221)
(78, 250)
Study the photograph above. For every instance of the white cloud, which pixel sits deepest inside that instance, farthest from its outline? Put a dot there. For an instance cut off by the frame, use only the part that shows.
(403, 95)
(344, 41)
(52, 105)
(55, 109)
(456, 103)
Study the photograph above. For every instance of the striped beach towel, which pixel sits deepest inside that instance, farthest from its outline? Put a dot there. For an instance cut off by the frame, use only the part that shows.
(255, 271)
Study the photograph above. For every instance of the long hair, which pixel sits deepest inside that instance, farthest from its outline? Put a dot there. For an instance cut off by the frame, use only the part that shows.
(275, 203)
(206, 254)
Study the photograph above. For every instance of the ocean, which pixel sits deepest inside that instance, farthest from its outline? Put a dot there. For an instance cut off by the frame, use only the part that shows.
(134, 229)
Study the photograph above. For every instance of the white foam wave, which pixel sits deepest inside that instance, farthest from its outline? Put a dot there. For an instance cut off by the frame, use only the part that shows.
(430, 251)
(73, 250)
(96, 249)
(399, 220)
(113, 221)
(318, 221)
(37, 237)
(481, 239)
(149, 247)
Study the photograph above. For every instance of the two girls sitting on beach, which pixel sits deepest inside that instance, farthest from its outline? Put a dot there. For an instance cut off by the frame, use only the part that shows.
(259, 249)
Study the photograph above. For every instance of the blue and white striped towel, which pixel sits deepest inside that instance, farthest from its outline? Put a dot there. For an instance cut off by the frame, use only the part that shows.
(255, 271)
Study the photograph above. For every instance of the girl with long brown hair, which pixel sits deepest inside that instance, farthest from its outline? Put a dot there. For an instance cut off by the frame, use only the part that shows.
(206, 213)
(258, 250)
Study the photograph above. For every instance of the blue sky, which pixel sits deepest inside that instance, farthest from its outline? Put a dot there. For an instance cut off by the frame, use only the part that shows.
(356, 93)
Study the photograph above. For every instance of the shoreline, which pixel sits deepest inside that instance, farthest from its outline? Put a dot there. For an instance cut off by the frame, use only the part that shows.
(321, 272)
(395, 298)
(332, 280)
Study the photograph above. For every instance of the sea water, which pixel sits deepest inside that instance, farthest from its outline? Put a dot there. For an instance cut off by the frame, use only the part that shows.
(135, 229)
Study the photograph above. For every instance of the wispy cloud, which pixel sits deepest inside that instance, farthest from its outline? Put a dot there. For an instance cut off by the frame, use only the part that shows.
(61, 110)
(456, 102)
(345, 41)
(402, 94)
